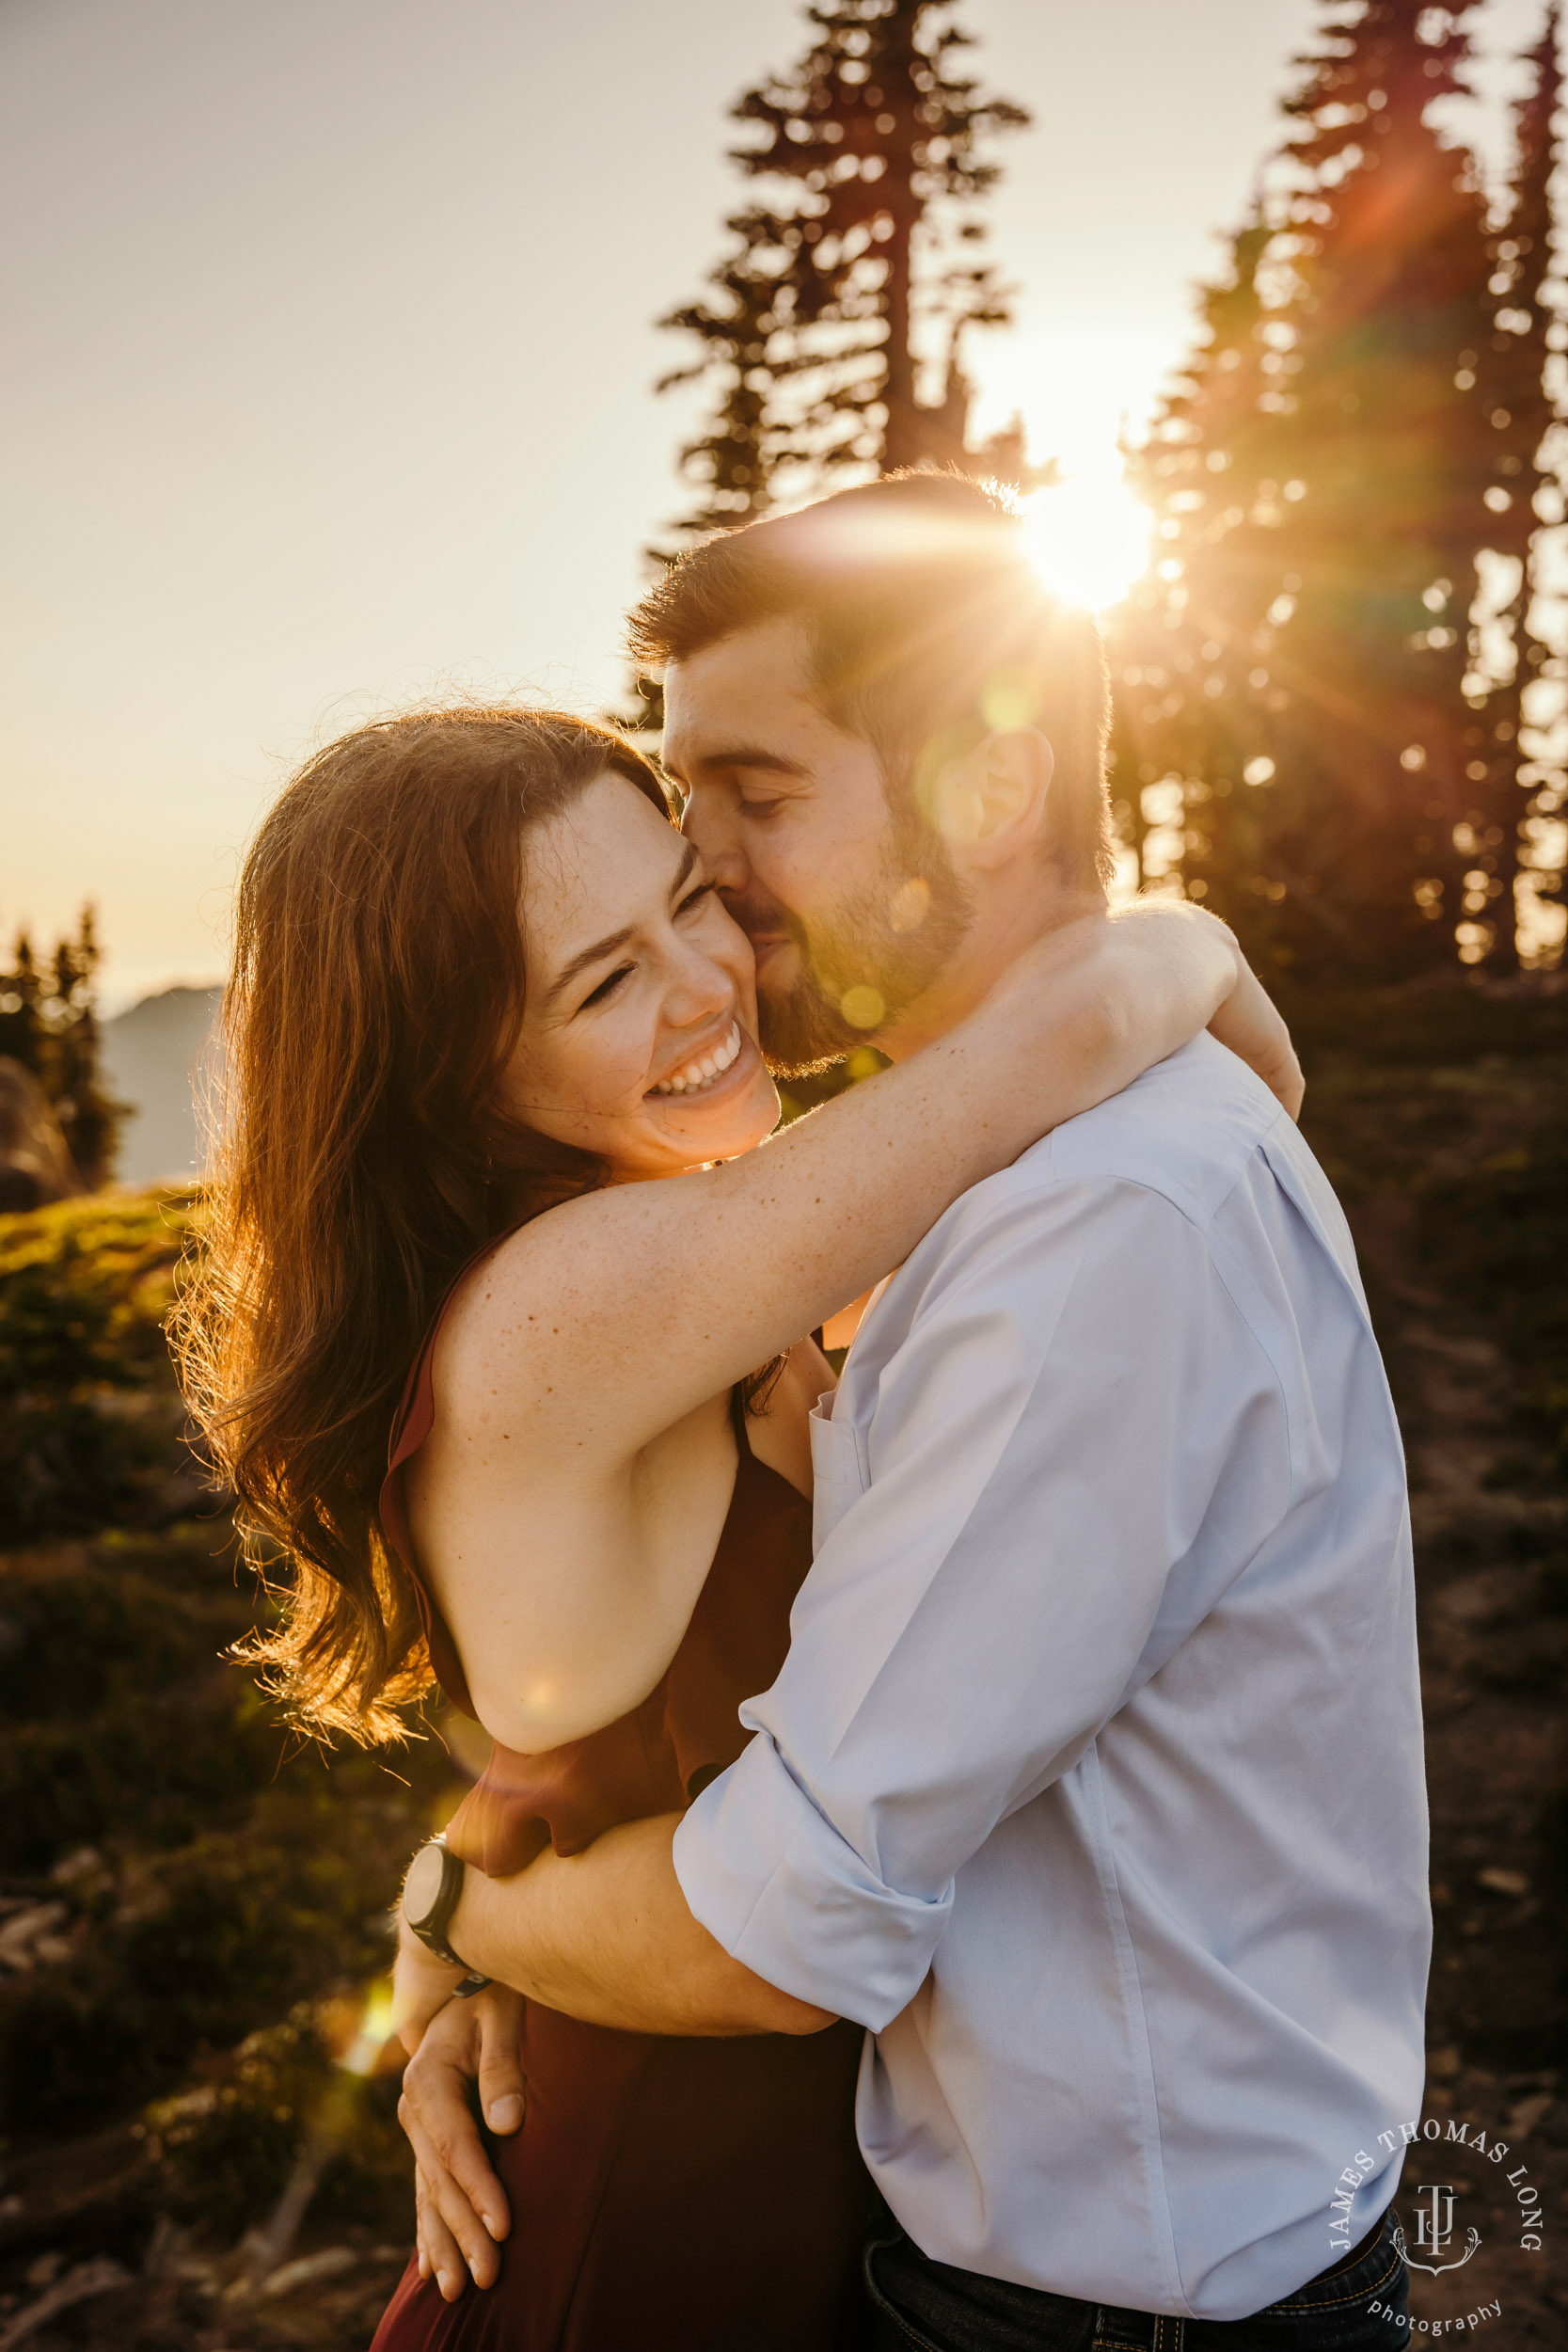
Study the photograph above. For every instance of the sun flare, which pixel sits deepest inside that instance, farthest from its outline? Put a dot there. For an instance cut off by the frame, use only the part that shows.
(1088, 537)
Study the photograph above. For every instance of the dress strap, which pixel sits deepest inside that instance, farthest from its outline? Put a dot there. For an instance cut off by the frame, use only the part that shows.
(738, 1416)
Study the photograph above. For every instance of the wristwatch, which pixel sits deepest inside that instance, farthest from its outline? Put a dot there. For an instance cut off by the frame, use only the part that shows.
(430, 1894)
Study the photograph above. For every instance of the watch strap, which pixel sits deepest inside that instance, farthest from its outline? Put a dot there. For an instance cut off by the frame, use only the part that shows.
(432, 1928)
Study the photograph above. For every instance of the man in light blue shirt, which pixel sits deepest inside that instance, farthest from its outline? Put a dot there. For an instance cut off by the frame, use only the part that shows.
(1092, 1781)
(1091, 1785)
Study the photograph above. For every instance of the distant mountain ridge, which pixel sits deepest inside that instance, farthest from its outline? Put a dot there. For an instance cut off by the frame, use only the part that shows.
(154, 1058)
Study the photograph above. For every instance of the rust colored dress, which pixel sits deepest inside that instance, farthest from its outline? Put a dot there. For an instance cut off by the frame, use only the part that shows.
(667, 2195)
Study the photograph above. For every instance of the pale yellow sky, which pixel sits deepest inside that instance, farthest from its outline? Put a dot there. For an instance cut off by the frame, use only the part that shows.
(328, 347)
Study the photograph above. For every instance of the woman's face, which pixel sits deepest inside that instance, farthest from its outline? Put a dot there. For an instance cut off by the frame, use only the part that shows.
(639, 1037)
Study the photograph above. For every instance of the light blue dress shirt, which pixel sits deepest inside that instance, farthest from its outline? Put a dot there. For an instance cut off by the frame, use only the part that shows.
(1092, 1783)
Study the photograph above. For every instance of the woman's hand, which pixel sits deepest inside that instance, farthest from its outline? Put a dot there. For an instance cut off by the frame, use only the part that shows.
(421, 1986)
(1247, 1022)
(1252, 1027)
(461, 2208)
(1164, 970)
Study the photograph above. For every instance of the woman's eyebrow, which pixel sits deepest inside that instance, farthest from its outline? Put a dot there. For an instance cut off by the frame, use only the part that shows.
(581, 961)
(606, 946)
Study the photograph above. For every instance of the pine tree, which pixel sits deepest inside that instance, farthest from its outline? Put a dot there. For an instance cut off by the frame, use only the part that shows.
(1506, 828)
(1190, 708)
(49, 1023)
(1392, 439)
(1315, 592)
(861, 266)
(749, 303)
(22, 1026)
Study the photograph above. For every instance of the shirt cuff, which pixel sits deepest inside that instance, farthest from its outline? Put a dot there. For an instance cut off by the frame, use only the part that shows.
(773, 1882)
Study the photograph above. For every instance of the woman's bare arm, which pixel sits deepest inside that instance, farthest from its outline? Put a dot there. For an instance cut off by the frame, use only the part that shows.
(606, 1322)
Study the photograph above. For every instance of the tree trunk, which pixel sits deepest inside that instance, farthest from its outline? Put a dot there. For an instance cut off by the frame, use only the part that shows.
(902, 441)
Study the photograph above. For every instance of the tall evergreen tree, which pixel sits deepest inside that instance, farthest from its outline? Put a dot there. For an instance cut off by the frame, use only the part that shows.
(1331, 564)
(1190, 709)
(860, 271)
(1394, 443)
(49, 1023)
(1501, 832)
(21, 993)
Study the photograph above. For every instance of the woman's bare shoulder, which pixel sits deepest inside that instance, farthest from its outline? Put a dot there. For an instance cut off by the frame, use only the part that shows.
(508, 1312)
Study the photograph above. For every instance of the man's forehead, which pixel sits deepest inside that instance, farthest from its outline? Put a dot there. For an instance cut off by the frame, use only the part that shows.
(753, 688)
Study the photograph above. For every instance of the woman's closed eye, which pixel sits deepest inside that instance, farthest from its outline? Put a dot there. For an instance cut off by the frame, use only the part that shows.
(606, 987)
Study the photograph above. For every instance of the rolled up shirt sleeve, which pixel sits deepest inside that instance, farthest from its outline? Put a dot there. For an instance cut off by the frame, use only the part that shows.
(1042, 1450)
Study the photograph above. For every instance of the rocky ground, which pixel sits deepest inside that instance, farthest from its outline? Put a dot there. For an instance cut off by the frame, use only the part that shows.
(1445, 1127)
(201, 2150)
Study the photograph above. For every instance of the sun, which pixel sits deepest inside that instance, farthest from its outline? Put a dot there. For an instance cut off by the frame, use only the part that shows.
(1088, 537)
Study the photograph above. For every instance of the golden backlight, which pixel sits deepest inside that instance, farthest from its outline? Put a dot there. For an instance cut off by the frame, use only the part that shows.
(1088, 537)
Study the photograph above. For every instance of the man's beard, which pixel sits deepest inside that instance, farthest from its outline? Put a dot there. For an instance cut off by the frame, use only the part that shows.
(880, 947)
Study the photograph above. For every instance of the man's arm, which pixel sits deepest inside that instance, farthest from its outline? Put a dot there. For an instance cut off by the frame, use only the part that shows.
(607, 1936)
(971, 1622)
(1063, 1381)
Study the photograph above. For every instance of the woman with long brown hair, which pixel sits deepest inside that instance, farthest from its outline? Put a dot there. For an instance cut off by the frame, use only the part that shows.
(482, 994)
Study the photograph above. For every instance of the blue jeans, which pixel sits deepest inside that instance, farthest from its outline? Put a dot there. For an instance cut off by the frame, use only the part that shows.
(922, 2306)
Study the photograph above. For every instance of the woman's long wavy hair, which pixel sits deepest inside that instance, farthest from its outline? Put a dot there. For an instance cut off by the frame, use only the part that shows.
(365, 1153)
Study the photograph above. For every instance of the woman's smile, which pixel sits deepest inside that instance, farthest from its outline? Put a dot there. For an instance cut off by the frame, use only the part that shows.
(638, 1039)
(700, 1072)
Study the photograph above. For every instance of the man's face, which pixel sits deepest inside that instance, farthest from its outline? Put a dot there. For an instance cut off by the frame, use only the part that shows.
(852, 910)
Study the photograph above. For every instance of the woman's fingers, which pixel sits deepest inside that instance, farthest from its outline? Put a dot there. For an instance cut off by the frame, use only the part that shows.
(440, 2256)
(503, 2089)
(450, 2228)
(1249, 1023)
(435, 2111)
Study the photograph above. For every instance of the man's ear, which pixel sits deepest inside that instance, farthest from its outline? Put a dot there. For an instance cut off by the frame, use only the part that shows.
(988, 803)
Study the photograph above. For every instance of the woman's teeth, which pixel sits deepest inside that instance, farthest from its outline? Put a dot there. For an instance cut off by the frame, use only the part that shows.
(702, 1072)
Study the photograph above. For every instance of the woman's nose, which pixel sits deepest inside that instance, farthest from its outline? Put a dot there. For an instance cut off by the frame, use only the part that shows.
(699, 989)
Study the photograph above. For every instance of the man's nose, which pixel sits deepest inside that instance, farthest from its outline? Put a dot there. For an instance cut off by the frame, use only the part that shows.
(714, 831)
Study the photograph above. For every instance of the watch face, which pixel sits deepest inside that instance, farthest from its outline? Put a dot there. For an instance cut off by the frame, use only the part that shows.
(422, 1888)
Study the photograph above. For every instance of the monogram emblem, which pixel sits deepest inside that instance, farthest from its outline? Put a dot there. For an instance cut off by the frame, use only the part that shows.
(1435, 2233)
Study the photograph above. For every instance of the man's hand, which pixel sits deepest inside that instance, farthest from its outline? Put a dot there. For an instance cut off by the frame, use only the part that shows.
(461, 2208)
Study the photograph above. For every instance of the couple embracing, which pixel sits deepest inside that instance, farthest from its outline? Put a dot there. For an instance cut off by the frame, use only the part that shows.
(951, 1866)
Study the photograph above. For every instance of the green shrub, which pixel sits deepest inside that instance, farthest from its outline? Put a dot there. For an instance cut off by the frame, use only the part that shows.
(90, 1414)
(225, 2150)
(204, 1945)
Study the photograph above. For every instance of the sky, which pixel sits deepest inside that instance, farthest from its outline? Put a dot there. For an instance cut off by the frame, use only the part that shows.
(326, 347)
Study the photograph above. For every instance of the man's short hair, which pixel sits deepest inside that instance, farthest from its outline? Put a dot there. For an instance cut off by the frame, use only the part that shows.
(927, 626)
